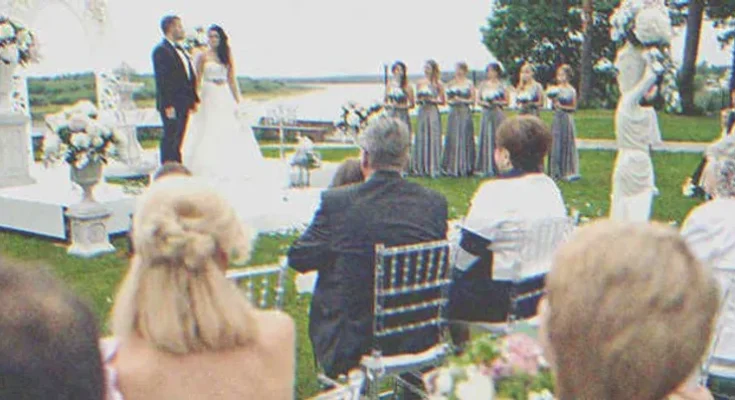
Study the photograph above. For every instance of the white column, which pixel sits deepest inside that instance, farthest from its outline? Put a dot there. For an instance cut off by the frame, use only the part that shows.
(14, 157)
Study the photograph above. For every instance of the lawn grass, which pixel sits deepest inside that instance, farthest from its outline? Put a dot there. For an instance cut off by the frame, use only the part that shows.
(97, 280)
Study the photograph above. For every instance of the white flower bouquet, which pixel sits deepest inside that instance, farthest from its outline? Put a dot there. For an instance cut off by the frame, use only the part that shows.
(355, 118)
(553, 92)
(79, 138)
(526, 97)
(425, 94)
(490, 96)
(605, 66)
(397, 95)
(14, 33)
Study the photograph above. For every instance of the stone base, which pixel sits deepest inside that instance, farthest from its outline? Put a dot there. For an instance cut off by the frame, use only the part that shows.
(14, 157)
(89, 236)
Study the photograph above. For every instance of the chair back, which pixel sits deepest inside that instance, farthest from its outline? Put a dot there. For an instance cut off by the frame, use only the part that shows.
(722, 330)
(347, 391)
(263, 284)
(534, 243)
(411, 288)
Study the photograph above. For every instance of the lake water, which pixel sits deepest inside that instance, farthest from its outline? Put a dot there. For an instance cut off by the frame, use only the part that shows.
(323, 103)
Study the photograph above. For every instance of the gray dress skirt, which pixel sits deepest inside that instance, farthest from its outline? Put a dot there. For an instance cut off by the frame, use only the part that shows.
(425, 157)
(492, 117)
(564, 157)
(459, 142)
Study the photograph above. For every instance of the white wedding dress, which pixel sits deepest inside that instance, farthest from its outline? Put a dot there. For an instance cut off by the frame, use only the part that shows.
(220, 148)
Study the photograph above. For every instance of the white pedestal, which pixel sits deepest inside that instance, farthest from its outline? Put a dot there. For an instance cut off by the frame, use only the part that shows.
(14, 157)
(89, 237)
(133, 163)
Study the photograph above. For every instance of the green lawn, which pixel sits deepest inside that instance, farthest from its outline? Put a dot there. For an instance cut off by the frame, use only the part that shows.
(96, 280)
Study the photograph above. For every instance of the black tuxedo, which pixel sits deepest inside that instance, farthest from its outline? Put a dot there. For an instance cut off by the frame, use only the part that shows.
(340, 245)
(173, 89)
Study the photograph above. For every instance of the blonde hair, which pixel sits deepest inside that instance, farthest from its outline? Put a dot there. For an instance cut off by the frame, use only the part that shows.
(522, 85)
(176, 295)
(630, 312)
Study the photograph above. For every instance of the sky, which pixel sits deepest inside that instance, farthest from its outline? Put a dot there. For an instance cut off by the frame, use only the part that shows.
(294, 38)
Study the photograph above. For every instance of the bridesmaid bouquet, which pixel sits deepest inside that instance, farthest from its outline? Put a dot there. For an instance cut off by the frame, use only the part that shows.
(397, 95)
(553, 92)
(508, 368)
(490, 96)
(526, 97)
(424, 94)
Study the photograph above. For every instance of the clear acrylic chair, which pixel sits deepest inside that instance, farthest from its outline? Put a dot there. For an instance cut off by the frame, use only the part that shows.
(349, 390)
(715, 363)
(411, 295)
(263, 284)
(531, 244)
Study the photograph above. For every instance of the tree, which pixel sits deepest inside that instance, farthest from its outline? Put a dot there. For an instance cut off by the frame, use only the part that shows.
(586, 70)
(549, 33)
(695, 14)
(721, 13)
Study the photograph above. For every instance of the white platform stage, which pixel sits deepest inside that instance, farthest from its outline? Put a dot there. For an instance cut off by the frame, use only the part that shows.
(39, 208)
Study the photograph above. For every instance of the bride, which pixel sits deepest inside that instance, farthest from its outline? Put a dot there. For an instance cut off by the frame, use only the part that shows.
(218, 145)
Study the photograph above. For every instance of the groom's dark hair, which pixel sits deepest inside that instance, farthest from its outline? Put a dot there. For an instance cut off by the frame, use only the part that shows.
(167, 21)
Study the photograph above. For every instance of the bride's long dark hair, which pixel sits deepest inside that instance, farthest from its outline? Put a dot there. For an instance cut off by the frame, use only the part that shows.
(223, 50)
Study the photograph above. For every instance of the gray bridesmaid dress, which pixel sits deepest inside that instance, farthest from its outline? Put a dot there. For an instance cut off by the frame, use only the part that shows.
(492, 117)
(530, 108)
(564, 157)
(459, 141)
(426, 152)
(397, 95)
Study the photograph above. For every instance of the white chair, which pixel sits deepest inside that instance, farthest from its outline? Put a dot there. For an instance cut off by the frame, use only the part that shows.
(263, 285)
(720, 362)
(411, 294)
(531, 244)
(349, 390)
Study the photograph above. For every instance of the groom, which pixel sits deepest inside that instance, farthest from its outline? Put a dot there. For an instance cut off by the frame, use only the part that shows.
(175, 87)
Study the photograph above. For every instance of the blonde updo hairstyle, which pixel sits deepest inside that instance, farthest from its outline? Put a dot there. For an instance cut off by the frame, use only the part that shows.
(630, 312)
(176, 295)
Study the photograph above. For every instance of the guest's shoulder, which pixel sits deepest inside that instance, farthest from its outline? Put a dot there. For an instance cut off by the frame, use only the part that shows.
(425, 192)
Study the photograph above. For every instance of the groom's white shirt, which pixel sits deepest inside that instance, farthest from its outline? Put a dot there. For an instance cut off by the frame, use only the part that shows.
(184, 58)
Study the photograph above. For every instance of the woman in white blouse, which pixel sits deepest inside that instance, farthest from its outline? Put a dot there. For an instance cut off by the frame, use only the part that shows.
(481, 290)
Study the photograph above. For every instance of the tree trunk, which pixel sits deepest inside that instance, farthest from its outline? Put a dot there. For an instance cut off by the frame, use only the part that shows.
(731, 86)
(586, 70)
(691, 48)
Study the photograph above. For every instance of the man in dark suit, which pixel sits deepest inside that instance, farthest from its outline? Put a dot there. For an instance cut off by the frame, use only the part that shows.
(175, 87)
(340, 244)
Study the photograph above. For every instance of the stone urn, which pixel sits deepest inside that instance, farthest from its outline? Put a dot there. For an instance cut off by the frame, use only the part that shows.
(88, 218)
(8, 63)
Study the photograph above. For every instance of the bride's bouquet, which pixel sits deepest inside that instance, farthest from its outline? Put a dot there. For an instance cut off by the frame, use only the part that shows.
(78, 137)
(511, 367)
(14, 33)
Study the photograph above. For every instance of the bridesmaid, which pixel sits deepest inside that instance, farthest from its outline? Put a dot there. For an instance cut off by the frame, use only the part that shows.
(399, 98)
(427, 145)
(529, 93)
(564, 158)
(459, 142)
(491, 96)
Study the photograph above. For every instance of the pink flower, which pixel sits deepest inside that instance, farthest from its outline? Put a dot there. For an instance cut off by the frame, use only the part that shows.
(519, 354)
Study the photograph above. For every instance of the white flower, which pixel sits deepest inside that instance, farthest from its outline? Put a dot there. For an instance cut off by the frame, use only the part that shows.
(353, 120)
(80, 140)
(444, 381)
(6, 31)
(78, 122)
(653, 26)
(477, 386)
(553, 92)
(545, 395)
(604, 66)
(82, 160)
(97, 141)
(84, 107)
(51, 144)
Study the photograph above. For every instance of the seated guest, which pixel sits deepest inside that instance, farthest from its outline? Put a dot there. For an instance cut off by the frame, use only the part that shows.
(481, 289)
(722, 148)
(348, 173)
(628, 315)
(48, 339)
(340, 245)
(181, 329)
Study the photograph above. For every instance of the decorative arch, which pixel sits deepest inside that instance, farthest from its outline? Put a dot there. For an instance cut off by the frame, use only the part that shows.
(92, 15)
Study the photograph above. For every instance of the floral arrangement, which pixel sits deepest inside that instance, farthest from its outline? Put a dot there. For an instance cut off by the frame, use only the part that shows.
(424, 94)
(80, 138)
(12, 32)
(490, 96)
(553, 92)
(396, 95)
(458, 93)
(646, 23)
(511, 367)
(195, 39)
(526, 97)
(354, 117)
